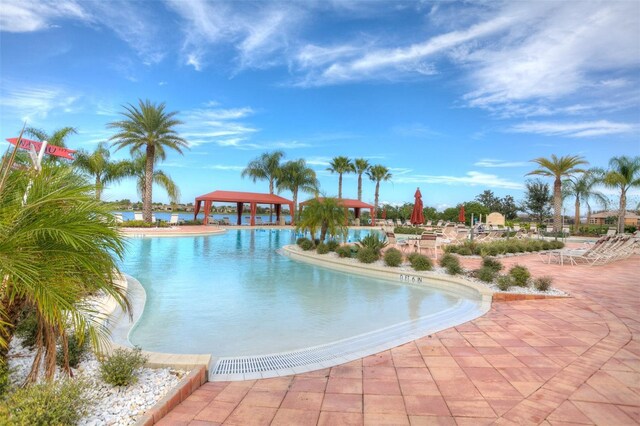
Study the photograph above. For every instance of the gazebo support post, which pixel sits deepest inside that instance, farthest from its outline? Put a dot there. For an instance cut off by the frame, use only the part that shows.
(207, 209)
(278, 210)
(239, 207)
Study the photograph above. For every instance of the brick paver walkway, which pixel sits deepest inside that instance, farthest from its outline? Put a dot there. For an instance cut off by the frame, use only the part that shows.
(560, 361)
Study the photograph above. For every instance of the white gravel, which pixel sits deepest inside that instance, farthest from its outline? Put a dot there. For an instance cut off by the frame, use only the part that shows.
(110, 405)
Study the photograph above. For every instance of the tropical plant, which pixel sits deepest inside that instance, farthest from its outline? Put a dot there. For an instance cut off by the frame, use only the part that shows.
(150, 130)
(557, 168)
(340, 165)
(360, 166)
(520, 275)
(137, 169)
(296, 176)
(393, 257)
(368, 255)
(623, 174)
(265, 167)
(58, 246)
(378, 173)
(120, 368)
(420, 262)
(57, 138)
(97, 164)
(582, 187)
(324, 214)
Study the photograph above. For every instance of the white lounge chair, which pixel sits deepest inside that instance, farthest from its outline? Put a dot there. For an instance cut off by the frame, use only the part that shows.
(259, 221)
(118, 217)
(428, 242)
(174, 220)
(225, 221)
(137, 216)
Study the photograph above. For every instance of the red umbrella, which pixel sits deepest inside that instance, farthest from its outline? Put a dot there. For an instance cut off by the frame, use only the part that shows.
(461, 215)
(417, 216)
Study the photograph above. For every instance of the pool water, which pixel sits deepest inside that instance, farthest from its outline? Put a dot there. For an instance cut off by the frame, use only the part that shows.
(234, 295)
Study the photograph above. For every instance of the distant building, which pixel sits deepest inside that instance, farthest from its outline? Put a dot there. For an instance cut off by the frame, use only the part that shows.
(600, 218)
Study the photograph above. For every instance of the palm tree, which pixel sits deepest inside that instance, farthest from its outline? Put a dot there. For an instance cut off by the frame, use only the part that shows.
(265, 167)
(340, 165)
(57, 138)
(558, 167)
(360, 166)
(137, 169)
(58, 246)
(623, 174)
(326, 214)
(98, 166)
(150, 130)
(583, 189)
(295, 176)
(378, 173)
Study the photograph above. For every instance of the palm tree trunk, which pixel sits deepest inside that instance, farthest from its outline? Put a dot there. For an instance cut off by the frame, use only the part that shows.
(98, 187)
(576, 220)
(622, 211)
(588, 214)
(360, 187)
(148, 185)
(375, 203)
(557, 205)
(271, 205)
(340, 185)
(294, 213)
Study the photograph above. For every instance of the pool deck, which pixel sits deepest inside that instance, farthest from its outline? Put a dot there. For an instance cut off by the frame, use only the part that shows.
(555, 361)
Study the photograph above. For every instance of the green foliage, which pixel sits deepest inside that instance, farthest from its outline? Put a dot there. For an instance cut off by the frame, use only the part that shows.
(393, 257)
(542, 283)
(142, 224)
(322, 248)
(368, 255)
(520, 275)
(408, 230)
(343, 251)
(300, 240)
(121, 367)
(504, 282)
(325, 215)
(495, 248)
(333, 245)
(451, 263)
(306, 245)
(420, 262)
(5, 384)
(76, 350)
(491, 263)
(50, 403)
(373, 242)
(412, 256)
(486, 274)
(27, 329)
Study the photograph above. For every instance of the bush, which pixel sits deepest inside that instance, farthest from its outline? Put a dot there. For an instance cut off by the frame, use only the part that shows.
(343, 251)
(520, 275)
(393, 257)
(368, 255)
(5, 384)
(373, 242)
(465, 251)
(27, 329)
(491, 263)
(542, 283)
(451, 263)
(407, 230)
(300, 240)
(555, 245)
(120, 368)
(322, 248)
(75, 352)
(504, 282)
(486, 274)
(333, 245)
(51, 403)
(306, 245)
(420, 262)
(143, 224)
(412, 256)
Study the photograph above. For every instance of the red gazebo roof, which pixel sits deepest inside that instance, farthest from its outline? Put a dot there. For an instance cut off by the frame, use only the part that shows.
(346, 202)
(243, 197)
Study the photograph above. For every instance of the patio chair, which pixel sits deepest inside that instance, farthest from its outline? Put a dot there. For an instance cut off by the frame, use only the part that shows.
(439, 223)
(259, 221)
(137, 216)
(407, 222)
(428, 242)
(429, 223)
(611, 232)
(402, 245)
(174, 220)
(549, 230)
(225, 221)
(533, 229)
(118, 217)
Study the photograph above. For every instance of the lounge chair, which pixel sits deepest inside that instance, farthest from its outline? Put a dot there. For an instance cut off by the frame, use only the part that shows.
(611, 232)
(428, 242)
(118, 217)
(175, 220)
(259, 221)
(402, 245)
(225, 221)
(137, 216)
(407, 222)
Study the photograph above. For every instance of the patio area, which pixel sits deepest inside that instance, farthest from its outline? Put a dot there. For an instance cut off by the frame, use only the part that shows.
(554, 361)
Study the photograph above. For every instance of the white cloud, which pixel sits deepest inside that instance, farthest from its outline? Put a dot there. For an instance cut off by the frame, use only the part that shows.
(19, 16)
(29, 102)
(575, 129)
(224, 167)
(471, 178)
(214, 124)
(491, 163)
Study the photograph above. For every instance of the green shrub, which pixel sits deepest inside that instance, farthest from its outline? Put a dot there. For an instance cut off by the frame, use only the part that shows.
(368, 255)
(27, 329)
(121, 367)
(306, 245)
(354, 249)
(407, 230)
(546, 245)
(300, 240)
(373, 242)
(51, 403)
(75, 352)
(143, 224)
(343, 251)
(420, 262)
(5, 384)
(520, 275)
(486, 274)
(333, 245)
(393, 257)
(555, 245)
(412, 256)
(451, 263)
(494, 264)
(465, 251)
(542, 283)
(504, 282)
(322, 248)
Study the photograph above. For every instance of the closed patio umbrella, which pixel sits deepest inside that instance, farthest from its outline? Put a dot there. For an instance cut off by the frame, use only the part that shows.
(461, 214)
(384, 213)
(417, 216)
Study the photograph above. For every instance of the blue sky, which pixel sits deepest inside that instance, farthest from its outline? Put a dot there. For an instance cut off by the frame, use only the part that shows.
(453, 97)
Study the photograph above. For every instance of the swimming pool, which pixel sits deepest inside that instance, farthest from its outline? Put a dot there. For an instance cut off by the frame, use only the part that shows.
(234, 295)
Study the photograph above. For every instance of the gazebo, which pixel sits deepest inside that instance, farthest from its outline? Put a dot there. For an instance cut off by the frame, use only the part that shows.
(347, 203)
(240, 198)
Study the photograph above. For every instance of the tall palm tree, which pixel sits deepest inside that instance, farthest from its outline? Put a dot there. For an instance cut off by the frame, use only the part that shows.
(150, 130)
(137, 169)
(58, 245)
(582, 187)
(296, 176)
(57, 138)
(97, 164)
(557, 168)
(378, 173)
(340, 165)
(623, 174)
(327, 215)
(265, 167)
(360, 165)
